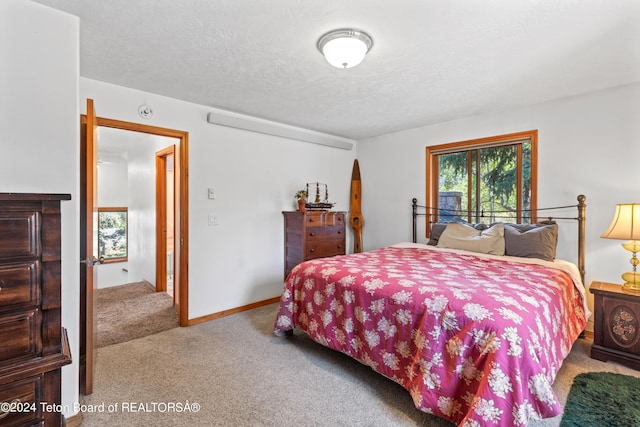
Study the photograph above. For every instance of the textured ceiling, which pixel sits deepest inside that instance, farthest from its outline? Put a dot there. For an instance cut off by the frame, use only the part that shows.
(432, 60)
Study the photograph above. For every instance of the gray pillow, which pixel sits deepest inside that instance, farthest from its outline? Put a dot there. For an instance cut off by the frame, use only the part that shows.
(531, 240)
(436, 231)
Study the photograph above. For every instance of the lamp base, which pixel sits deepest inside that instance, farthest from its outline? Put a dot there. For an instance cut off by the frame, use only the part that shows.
(631, 287)
(631, 282)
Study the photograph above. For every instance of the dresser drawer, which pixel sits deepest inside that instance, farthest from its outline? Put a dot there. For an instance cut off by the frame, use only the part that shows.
(19, 285)
(323, 219)
(335, 233)
(324, 248)
(20, 233)
(23, 398)
(20, 336)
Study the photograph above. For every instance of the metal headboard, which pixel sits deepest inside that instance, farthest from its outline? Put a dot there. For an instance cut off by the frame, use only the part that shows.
(430, 213)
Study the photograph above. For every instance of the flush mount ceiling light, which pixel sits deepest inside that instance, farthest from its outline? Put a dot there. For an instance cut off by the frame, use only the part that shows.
(345, 48)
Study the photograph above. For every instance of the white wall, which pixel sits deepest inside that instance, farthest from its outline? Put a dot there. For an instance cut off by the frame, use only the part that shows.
(112, 184)
(587, 145)
(112, 274)
(141, 196)
(39, 134)
(255, 176)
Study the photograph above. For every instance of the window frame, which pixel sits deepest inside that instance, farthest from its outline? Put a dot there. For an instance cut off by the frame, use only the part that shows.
(126, 237)
(433, 176)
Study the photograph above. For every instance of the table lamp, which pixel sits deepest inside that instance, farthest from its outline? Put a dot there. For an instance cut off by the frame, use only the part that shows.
(626, 226)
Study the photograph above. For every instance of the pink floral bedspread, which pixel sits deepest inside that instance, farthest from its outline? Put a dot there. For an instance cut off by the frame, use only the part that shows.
(474, 339)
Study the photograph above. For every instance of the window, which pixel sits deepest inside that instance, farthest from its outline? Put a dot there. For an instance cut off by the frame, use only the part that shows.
(483, 180)
(112, 234)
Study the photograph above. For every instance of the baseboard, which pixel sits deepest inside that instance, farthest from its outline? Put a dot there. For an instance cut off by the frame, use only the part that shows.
(588, 335)
(73, 421)
(220, 314)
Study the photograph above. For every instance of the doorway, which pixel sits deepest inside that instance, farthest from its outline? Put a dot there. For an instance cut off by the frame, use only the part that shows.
(180, 214)
(89, 126)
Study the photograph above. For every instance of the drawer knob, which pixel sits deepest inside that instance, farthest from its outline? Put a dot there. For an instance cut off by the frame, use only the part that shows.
(8, 407)
(312, 234)
(312, 250)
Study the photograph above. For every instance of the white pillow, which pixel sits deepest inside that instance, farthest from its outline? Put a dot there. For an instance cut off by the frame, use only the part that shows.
(460, 236)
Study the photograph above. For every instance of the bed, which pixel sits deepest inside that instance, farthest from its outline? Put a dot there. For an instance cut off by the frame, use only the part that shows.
(475, 338)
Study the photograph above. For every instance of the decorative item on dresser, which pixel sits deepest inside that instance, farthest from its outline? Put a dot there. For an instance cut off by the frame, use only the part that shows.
(320, 198)
(617, 324)
(34, 344)
(301, 196)
(312, 234)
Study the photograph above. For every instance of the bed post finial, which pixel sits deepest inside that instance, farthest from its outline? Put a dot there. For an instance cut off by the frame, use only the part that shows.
(582, 216)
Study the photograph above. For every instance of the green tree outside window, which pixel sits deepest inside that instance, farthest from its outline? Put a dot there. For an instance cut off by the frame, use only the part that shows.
(112, 234)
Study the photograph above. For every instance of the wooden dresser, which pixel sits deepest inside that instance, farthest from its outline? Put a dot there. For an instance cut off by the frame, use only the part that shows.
(33, 344)
(312, 234)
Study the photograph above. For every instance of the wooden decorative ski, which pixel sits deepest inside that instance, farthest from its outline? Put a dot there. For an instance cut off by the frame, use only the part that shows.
(355, 215)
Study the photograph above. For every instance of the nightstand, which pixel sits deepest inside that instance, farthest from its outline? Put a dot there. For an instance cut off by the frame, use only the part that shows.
(617, 324)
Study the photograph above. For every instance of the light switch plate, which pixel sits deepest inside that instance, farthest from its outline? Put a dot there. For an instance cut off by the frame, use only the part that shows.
(211, 193)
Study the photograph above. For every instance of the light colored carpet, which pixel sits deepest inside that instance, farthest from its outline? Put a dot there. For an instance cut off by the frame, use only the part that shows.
(131, 311)
(240, 374)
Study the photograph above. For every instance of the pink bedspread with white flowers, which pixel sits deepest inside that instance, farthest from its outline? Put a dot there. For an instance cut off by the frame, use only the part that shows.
(475, 339)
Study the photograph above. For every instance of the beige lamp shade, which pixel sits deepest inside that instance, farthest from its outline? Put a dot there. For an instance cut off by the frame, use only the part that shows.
(625, 224)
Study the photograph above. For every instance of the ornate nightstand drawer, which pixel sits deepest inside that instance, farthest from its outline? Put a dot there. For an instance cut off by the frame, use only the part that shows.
(616, 324)
(621, 325)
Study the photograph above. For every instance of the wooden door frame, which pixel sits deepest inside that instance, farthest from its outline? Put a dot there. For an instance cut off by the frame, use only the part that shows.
(161, 216)
(181, 212)
(88, 277)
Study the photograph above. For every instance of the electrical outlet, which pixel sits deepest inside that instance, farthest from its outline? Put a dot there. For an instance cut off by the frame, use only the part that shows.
(211, 193)
(213, 220)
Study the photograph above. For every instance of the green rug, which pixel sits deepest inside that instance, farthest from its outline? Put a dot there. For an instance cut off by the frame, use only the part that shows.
(602, 399)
